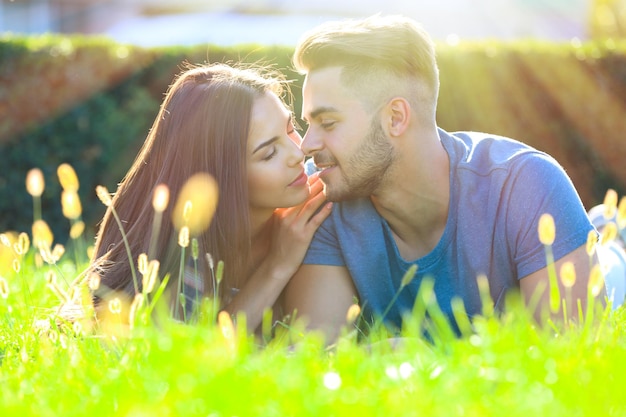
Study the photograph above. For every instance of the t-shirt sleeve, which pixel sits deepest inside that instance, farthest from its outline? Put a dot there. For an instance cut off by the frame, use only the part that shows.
(324, 248)
(538, 185)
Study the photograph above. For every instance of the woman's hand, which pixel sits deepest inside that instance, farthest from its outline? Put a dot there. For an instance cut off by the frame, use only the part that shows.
(294, 228)
(291, 234)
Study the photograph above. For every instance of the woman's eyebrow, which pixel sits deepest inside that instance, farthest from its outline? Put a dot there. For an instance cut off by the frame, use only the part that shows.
(264, 144)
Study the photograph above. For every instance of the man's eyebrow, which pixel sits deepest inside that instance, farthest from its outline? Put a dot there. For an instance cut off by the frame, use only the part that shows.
(264, 144)
(321, 110)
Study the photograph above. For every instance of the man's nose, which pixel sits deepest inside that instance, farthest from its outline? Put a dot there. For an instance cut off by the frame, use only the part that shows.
(311, 142)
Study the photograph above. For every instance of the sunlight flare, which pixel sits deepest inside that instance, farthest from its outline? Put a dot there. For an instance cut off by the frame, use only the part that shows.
(196, 204)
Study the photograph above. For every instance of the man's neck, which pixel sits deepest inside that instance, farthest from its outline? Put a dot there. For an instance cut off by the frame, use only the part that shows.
(415, 201)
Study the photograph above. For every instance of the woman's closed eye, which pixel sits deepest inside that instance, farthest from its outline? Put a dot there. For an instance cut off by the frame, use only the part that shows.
(270, 153)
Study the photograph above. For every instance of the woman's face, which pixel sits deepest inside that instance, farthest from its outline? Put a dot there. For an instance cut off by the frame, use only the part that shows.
(276, 175)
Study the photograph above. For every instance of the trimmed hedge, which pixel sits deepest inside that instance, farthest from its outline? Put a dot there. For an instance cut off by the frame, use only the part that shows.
(89, 101)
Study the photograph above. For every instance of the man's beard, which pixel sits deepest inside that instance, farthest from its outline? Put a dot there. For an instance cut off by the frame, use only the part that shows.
(366, 169)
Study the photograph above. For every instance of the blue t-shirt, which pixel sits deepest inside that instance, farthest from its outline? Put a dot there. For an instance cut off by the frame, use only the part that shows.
(499, 188)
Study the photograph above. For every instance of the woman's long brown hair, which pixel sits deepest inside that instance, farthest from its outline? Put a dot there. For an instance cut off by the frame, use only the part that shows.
(202, 126)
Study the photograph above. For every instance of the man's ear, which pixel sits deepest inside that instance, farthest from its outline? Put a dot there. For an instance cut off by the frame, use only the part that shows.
(399, 115)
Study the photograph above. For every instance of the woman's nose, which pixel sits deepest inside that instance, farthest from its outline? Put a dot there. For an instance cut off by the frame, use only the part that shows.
(296, 156)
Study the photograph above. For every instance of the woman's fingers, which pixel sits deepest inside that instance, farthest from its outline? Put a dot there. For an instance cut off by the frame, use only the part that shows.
(315, 199)
(318, 218)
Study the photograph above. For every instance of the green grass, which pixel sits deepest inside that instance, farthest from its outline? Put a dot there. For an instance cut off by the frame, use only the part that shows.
(507, 366)
(501, 365)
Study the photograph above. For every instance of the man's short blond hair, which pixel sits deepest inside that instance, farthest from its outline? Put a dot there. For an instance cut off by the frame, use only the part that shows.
(380, 56)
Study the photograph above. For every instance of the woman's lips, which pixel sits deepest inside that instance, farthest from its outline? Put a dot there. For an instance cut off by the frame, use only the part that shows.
(301, 180)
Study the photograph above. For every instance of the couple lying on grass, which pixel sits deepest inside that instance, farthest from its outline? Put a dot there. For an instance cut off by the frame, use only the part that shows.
(391, 192)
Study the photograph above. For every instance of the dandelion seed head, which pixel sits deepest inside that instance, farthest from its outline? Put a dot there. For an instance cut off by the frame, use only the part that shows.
(74, 294)
(149, 280)
(70, 204)
(609, 233)
(568, 274)
(219, 274)
(77, 229)
(94, 281)
(104, 195)
(90, 251)
(160, 198)
(77, 327)
(408, 275)
(24, 242)
(546, 229)
(610, 203)
(67, 177)
(353, 313)
(63, 340)
(42, 326)
(138, 300)
(142, 263)
(183, 237)
(209, 259)
(332, 381)
(227, 328)
(17, 249)
(42, 235)
(46, 255)
(195, 250)
(596, 280)
(592, 240)
(35, 183)
(58, 252)
(134, 309)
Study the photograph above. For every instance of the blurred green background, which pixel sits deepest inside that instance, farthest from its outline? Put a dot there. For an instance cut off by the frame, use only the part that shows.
(89, 101)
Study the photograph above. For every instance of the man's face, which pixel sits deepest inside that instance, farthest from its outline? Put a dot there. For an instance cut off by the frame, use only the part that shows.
(347, 142)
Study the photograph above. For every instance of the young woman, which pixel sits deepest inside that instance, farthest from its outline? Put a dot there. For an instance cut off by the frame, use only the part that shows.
(232, 124)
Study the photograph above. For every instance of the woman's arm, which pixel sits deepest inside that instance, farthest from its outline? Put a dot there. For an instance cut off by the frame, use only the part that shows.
(292, 232)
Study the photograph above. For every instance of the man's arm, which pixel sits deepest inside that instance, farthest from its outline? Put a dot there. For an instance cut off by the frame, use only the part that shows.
(322, 295)
(539, 281)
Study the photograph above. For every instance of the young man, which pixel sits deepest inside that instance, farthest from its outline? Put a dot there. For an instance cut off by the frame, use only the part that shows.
(457, 205)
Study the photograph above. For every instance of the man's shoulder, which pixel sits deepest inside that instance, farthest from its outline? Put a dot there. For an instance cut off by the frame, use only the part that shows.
(484, 152)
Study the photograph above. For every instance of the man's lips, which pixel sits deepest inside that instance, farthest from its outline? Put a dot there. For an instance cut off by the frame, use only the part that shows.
(323, 162)
(321, 168)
